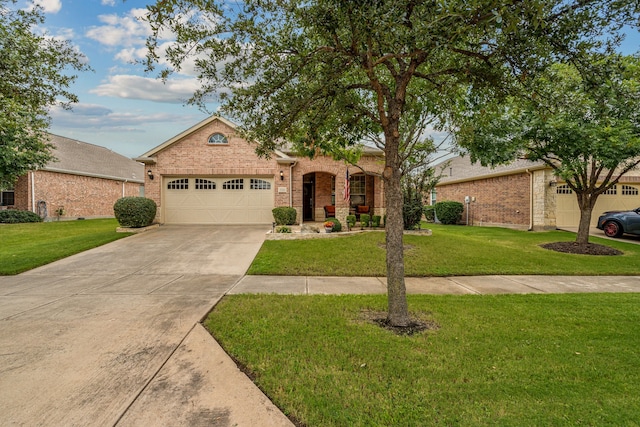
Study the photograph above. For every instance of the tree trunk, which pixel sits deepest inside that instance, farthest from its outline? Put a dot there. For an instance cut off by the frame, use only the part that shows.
(394, 226)
(585, 203)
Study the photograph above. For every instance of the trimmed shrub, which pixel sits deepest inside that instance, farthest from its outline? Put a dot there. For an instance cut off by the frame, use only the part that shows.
(135, 212)
(284, 215)
(283, 229)
(449, 212)
(13, 216)
(337, 225)
(364, 220)
(351, 220)
(429, 213)
(375, 220)
(412, 214)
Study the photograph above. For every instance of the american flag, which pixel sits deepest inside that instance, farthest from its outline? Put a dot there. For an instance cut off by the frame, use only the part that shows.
(347, 187)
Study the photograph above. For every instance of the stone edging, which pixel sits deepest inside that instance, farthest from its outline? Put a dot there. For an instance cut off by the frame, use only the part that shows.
(304, 236)
(138, 229)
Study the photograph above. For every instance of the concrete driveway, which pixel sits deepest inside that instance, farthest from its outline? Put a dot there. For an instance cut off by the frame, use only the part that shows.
(111, 336)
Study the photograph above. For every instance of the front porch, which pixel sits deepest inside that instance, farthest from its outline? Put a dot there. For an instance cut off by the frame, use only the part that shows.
(323, 196)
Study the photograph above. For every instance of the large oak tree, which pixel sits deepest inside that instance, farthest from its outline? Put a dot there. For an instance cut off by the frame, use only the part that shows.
(33, 77)
(322, 74)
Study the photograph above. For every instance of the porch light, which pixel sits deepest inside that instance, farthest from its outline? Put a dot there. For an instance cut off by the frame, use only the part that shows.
(150, 174)
(553, 183)
(281, 175)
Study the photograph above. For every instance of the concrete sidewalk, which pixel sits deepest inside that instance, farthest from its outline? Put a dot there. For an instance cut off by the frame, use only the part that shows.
(307, 285)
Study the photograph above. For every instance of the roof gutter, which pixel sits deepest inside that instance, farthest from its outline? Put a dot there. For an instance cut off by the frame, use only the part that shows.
(93, 175)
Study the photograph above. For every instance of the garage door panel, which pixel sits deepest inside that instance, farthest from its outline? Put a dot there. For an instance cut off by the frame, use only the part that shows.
(218, 205)
(568, 213)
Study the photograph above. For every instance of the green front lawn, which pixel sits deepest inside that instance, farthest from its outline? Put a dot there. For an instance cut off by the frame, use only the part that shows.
(27, 246)
(507, 360)
(451, 250)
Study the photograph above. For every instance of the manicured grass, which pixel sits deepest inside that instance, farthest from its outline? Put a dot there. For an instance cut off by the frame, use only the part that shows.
(26, 246)
(451, 250)
(507, 360)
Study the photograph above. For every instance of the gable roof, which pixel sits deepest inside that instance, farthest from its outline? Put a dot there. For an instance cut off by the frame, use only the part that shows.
(80, 158)
(284, 154)
(178, 137)
(461, 169)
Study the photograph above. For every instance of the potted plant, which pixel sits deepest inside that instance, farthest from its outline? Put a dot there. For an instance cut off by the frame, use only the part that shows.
(328, 226)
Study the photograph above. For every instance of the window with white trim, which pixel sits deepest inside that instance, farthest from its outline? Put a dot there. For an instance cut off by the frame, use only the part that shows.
(563, 189)
(218, 139)
(178, 184)
(233, 184)
(628, 190)
(259, 184)
(205, 184)
(612, 191)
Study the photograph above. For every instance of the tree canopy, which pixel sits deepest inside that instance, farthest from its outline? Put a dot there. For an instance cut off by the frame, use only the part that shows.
(585, 125)
(323, 74)
(33, 77)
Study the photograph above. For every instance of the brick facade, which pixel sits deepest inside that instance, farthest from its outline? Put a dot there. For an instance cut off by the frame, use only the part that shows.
(80, 196)
(500, 201)
(190, 155)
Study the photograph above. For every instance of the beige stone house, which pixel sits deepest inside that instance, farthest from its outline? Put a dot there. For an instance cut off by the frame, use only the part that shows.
(209, 174)
(84, 181)
(525, 195)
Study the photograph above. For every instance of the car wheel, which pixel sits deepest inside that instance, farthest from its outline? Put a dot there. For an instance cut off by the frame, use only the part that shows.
(612, 229)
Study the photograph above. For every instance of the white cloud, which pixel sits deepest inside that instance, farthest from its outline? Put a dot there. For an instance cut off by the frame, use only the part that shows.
(148, 89)
(98, 117)
(118, 30)
(48, 6)
(108, 2)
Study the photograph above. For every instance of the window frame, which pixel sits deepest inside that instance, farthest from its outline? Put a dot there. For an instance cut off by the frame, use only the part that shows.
(213, 140)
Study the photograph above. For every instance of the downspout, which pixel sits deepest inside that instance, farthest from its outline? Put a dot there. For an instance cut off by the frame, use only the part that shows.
(33, 192)
(530, 199)
(123, 188)
(291, 166)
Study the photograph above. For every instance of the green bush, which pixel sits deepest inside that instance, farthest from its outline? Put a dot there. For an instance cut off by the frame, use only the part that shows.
(364, 220)
(135, 212)
(337, 225)
(412, 214)
(283, 229)
(351, 220)
(284, 215)
(375, 220)
(429, 214)
(13, 216)
(449, 212)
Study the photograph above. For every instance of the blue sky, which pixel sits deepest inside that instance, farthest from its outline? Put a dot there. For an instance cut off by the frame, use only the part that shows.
(120, 107)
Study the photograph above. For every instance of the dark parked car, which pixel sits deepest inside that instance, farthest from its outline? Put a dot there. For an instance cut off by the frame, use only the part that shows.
(616, 223)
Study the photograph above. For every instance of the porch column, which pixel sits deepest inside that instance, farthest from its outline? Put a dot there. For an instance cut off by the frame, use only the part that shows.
(342, 205)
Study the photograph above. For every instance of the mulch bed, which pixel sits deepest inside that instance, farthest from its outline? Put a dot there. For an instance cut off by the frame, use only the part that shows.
(581, 249)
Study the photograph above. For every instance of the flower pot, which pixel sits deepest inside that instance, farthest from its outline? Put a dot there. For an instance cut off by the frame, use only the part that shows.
(328, 229)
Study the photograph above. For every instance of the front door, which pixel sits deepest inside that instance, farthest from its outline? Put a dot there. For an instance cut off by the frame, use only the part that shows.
(307, 201)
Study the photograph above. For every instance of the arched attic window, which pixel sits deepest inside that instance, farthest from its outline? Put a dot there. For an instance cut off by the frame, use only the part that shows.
(217, 139)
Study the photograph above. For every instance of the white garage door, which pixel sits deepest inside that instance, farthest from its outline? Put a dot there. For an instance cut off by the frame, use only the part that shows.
(619, 198)
(228, 200)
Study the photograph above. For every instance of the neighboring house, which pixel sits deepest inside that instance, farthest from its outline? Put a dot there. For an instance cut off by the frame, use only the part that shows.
(524, 195)
(208, 174)
(84, 181)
